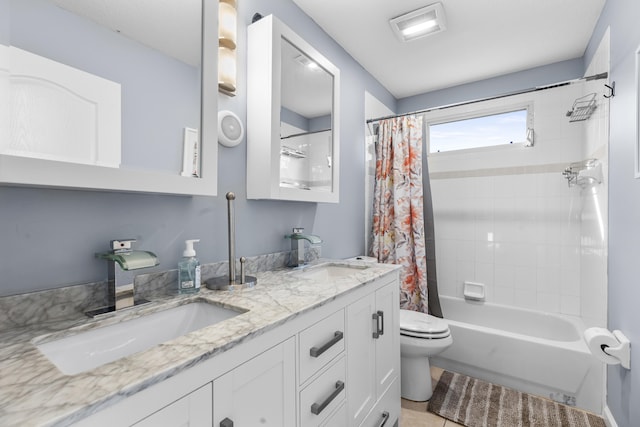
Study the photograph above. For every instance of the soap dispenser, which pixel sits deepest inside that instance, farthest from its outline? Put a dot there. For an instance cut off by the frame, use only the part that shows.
(189, 269)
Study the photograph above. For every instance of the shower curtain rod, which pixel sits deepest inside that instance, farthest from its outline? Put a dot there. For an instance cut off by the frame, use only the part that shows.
(538, 88)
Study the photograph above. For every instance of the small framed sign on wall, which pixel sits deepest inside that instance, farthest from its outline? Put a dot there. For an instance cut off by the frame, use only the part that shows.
(191, 156)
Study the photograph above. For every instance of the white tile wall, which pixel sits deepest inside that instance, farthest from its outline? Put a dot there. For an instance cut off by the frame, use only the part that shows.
(512, 234)
(533, 241)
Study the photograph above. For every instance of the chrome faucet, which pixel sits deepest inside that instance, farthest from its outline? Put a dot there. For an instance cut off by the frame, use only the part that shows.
(122, 263)
(297, 246)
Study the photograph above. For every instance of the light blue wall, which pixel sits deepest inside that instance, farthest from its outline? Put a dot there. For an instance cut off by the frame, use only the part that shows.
(294, 119)
(48, 237)
(623, 386)
(539, 76)
(4, 22)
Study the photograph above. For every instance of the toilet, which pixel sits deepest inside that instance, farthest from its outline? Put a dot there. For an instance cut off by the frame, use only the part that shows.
(421, 336)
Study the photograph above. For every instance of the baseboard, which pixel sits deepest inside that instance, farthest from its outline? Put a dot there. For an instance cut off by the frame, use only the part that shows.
(608, 418)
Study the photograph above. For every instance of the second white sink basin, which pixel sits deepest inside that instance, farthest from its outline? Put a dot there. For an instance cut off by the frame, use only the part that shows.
(89, 349)
(330, 272)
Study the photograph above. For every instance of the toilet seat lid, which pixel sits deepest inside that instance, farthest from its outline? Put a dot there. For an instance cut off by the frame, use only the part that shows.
(419, 324)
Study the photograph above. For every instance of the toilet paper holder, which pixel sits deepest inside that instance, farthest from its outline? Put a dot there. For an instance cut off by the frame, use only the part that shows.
(609, 347)
(622, 351)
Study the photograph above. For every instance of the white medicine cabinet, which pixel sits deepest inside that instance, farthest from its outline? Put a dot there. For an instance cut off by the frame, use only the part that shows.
(293, 149)
(112, 102)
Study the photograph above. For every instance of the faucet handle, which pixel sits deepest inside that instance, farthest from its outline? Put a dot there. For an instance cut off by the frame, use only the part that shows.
(298, 230)
(121, 245)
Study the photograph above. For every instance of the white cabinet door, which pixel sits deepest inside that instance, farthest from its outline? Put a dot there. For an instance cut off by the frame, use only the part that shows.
(388, 343)
(387, 410)
(361, 383)
(373, 354)
(193, 410)
(260, 392)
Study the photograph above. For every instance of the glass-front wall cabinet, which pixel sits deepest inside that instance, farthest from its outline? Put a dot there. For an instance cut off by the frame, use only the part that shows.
(292, 121)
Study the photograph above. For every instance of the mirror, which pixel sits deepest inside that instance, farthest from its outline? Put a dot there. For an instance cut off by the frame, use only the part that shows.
(110, 95)
(305, 122)
(300, 135)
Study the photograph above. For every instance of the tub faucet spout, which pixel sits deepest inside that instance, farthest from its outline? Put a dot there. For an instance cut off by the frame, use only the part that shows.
(297, 245)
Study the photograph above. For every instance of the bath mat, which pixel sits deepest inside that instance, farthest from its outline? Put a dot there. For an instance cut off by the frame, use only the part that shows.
(476, 403)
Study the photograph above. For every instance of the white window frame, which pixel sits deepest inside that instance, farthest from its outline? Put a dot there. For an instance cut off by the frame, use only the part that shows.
(477, 110)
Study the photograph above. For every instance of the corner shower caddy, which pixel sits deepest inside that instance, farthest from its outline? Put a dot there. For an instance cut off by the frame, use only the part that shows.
(582, 108)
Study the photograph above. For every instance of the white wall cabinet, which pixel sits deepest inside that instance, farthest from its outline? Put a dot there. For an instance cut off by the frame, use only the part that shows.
(285, 94)
(326, 369)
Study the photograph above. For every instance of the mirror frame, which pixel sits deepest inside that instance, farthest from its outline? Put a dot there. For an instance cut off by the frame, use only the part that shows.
(33, 172)
(264, 54)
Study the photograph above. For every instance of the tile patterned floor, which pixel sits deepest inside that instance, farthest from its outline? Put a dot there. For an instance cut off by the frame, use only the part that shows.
(414, 414)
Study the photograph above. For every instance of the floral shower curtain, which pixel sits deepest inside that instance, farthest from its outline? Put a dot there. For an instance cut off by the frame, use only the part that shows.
(398, 220)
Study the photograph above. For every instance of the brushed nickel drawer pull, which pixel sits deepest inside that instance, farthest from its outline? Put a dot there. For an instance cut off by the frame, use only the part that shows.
(315, 351)
(385, 418)
(316, 408)
(378, 318)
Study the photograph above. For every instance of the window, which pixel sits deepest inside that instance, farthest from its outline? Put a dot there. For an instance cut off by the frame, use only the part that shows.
(478, 131)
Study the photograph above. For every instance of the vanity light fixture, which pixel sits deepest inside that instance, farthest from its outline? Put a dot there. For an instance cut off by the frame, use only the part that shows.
(227, 33)
(419, 23)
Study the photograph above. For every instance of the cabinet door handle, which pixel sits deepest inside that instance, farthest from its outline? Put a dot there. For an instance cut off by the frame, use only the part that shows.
(315, 351)
(378, 317)
(316, 408)
(385, 418)
(226, 423)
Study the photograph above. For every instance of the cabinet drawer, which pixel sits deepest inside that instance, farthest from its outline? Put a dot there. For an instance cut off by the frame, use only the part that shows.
(321, 343)
(193, 409)
(323, 395)
(387, 408)
(338, 418)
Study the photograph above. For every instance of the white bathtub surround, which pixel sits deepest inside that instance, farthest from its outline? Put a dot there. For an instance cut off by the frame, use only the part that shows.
(505, 217)
(530, 351)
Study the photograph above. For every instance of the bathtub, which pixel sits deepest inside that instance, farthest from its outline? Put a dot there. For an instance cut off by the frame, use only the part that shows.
(534, 352)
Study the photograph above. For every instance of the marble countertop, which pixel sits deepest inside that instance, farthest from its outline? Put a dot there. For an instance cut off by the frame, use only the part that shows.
(33, 392)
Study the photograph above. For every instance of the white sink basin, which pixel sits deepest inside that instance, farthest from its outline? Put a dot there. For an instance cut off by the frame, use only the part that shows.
(330, 272)
(88, 350)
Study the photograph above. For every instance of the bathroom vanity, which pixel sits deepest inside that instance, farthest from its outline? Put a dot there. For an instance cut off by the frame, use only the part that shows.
(313, 347)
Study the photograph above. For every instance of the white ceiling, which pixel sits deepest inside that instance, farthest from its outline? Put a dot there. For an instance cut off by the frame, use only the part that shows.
(484, 38)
